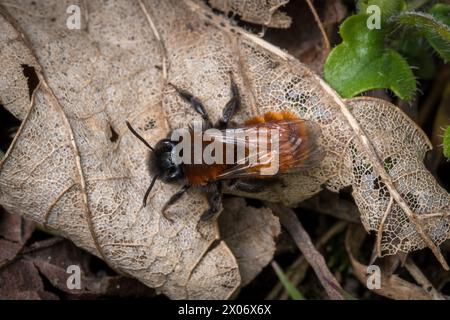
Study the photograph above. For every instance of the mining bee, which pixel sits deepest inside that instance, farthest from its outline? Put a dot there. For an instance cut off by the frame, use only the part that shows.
(297, 150)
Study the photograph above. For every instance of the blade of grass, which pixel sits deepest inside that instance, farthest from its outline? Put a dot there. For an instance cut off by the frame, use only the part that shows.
(293, 291)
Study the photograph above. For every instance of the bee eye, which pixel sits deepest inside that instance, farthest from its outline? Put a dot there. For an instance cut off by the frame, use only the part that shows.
(167, 148)
(164, 145)
(174, 172)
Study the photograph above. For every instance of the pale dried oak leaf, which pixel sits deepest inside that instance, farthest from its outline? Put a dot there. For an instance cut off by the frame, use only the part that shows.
(64, 170)
(250, 233)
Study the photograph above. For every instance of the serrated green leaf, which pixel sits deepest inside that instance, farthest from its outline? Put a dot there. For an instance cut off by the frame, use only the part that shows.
(436, 32)
(447, 143)
(418, 52)
(441, 12)
(361, 62)
(290, 288)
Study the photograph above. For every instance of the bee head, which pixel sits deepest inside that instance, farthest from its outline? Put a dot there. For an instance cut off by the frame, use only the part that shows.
(165, 166)
(161, 161)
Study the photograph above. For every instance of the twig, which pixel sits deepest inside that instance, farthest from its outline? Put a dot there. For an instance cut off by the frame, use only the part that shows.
(290, 222)
(421, 279)
(298, 269)
(325, 40)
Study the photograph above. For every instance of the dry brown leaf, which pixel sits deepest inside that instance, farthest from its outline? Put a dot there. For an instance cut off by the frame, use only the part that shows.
(250, 233)
(53, 261)
(48, 261)
(263, 12)
(14, 233)
(71, 176)
(391, 286)
(64, 170)
(21, 280)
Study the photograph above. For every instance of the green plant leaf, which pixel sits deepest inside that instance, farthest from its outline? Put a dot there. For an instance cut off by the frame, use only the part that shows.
(436, 32)
(447, 142)
(415, 4)
(418, 52)
(441, 12)
(293, 291)
(387, 7)
(361, 62)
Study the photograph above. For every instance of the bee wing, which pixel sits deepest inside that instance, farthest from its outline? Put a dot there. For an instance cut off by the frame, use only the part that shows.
(270, 148)
(309, 154)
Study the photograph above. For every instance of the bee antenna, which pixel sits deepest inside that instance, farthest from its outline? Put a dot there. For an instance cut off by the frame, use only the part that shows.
(137, 135)
(150, 187)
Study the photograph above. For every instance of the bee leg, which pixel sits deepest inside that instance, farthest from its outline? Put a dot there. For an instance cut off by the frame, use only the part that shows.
(195, 103)
(174, 198)
(215, 203)
(232, 105)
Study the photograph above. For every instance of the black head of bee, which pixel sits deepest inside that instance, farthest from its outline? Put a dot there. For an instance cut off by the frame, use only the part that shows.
(162, 163)
(165, 167)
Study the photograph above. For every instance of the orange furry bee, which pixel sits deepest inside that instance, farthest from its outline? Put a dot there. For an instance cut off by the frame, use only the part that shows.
(240, 160)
